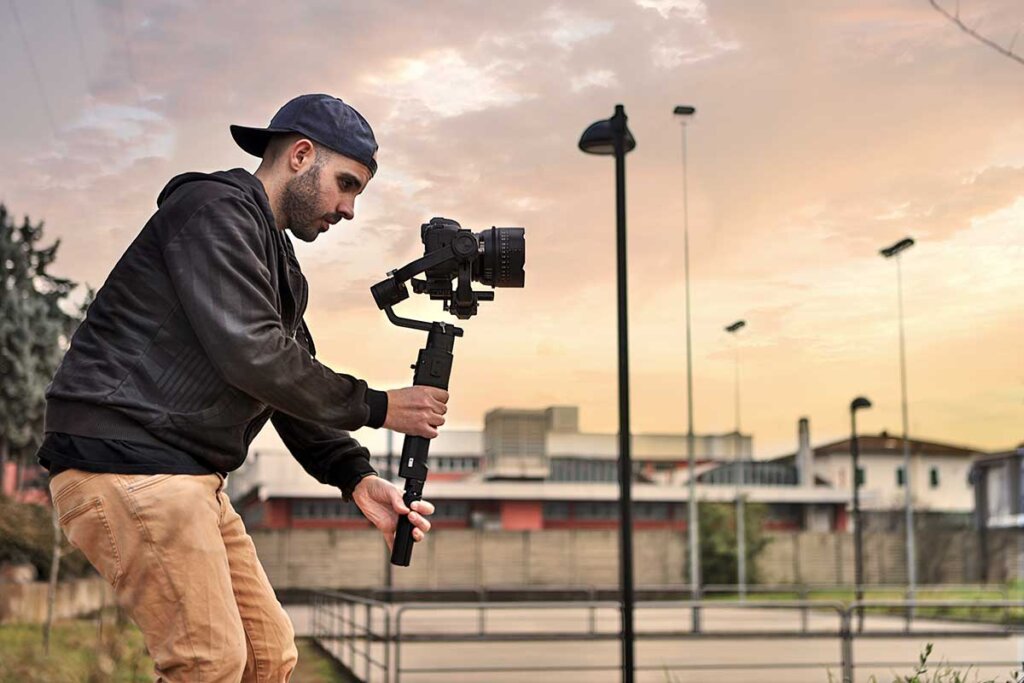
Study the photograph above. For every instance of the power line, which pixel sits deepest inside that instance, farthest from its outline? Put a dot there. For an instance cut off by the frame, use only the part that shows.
(81, 45)
(128, 53)
(33, 68)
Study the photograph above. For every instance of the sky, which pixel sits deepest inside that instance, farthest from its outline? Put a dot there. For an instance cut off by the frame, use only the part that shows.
(823, 132)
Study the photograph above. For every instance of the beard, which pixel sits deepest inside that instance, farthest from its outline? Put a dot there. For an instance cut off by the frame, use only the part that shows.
(300, 204)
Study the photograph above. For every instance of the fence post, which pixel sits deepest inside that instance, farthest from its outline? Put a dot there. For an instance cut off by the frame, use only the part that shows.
(368, 644)
(803, 608)
(846, 633)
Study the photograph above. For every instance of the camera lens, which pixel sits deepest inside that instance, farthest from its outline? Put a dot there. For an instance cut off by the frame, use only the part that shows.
(504, 255)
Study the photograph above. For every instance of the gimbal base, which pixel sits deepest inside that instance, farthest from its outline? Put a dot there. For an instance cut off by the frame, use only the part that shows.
(433, 368)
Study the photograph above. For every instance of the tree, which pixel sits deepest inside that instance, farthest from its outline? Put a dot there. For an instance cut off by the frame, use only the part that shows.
(954, 17)
(34, 330)
(718, 541)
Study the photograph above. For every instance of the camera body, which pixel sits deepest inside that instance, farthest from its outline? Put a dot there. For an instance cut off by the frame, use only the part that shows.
(494, 257)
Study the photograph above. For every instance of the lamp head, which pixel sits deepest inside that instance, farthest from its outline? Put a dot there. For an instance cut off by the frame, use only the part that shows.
(684, 110)
(736, 326)
(858, 403)
(599, 137)
(903, 244)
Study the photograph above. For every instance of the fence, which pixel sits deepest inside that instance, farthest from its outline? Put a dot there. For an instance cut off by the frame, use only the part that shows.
(370, 636)
(326, 558)
(26, 602)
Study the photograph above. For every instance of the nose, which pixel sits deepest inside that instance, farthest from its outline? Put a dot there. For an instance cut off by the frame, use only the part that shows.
(347, 209)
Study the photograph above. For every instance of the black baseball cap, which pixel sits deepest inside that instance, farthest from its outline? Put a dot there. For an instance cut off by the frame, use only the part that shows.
(323, 119)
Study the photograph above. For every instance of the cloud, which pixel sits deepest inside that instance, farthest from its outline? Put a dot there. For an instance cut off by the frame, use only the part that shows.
(444, 84)
(822, 133)
(603, 78)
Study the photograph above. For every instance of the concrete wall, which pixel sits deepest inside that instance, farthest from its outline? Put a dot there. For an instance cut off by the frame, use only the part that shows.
(583, 557)
(26, 602)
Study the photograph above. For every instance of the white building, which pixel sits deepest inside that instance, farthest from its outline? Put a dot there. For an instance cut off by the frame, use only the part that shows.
(939, 474)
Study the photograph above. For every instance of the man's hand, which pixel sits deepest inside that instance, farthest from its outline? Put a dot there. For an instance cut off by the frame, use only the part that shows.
(381, 502)
(416, 410)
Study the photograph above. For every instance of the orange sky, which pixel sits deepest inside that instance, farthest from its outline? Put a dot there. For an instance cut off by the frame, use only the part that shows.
(824, 131)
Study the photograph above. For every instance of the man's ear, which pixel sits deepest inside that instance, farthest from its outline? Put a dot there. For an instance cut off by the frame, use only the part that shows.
(300, 154)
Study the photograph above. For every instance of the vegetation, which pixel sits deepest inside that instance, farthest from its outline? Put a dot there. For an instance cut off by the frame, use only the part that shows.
(34, 331)
(26, 535)
(718, 542)
(111, 650)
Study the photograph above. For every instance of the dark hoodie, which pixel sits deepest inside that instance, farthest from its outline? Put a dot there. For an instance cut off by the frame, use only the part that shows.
(196, 339)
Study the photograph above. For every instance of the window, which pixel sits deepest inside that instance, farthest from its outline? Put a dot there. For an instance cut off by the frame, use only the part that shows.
(556, 510)
(652, 511)
(595, 510)
(900, 480)
(933, 476)
(325, 509)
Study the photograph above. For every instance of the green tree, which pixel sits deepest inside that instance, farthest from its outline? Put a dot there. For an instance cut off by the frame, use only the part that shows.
(34, 331)
(718, 541)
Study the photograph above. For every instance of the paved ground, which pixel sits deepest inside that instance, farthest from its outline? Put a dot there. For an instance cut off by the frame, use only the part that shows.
(674, 660)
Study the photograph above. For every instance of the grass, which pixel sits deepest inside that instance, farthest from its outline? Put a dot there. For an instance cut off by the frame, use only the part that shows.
(998, 615)
(78, 655)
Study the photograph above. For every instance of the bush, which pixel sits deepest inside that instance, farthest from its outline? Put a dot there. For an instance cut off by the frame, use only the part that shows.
(718, 542)
(26, 535)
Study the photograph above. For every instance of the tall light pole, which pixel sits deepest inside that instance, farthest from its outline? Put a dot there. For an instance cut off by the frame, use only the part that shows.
(894, 251)
(692, 521)
(390, 474)
(741, 520)
(858, 528)
(612, 136)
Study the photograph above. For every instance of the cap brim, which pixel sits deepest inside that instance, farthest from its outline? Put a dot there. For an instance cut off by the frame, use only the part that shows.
(254, 140)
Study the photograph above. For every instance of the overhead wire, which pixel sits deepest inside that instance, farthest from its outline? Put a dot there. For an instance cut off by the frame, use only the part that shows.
(81, 44)
(34, 68)
(129, 66)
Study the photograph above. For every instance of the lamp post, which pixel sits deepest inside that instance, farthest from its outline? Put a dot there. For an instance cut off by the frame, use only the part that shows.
(894, 251)
(858, 528)
(741, 520)
(390, 474)
(612, 136)
(692, 521)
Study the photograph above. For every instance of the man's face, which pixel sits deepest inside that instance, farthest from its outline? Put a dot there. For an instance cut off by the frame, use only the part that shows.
(322, 194)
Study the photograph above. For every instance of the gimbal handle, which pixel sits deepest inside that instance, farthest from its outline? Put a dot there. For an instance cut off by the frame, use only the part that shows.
(433, 368)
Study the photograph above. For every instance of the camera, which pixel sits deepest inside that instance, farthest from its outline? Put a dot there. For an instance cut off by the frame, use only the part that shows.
(494, 257)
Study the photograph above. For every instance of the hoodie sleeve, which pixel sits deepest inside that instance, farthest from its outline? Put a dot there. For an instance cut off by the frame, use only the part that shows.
(217, 264)
(331, 456)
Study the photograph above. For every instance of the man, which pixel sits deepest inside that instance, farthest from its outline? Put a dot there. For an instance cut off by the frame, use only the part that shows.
(193, 343)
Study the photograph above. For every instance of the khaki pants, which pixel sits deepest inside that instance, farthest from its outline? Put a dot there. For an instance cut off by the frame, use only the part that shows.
(182, 565)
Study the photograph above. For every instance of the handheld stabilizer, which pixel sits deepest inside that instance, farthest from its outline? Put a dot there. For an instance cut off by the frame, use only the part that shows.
(494, 257)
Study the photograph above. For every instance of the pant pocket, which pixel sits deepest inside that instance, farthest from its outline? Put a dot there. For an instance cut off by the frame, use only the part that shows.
(88, 529)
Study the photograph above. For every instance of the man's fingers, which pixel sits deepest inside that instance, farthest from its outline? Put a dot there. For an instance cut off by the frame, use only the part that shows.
(439, 394)
(419, 521)
(398, 503)
(423, 507)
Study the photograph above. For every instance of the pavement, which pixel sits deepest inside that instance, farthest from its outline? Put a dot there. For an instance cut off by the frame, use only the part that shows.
(797, 659)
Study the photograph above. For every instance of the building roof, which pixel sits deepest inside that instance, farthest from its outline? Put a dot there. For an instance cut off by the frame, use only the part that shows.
(889, 444)
(275, 474)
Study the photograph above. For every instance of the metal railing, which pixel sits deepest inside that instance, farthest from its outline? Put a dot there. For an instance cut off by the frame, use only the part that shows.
(368, 636)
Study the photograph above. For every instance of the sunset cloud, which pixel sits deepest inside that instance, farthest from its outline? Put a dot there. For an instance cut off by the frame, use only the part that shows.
(823, 132)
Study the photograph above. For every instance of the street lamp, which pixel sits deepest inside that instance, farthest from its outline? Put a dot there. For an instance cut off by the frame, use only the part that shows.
(741, 520)
(389, 580)
(858, 528)
(612, 136)
(692, 522)
(894, 251)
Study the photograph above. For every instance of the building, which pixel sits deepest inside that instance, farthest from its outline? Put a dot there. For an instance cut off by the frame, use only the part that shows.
(940, 476)
(998, 491)
(534, 469)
